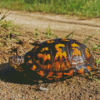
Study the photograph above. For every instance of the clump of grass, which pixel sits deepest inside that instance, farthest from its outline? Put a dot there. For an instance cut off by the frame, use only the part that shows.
(15, 32)
(4, 15)
(97, 61)
(36, 33)
(95, 47)
(7, 29)
(6, 24)
(92, 78)
(89, 8)
(48, 32)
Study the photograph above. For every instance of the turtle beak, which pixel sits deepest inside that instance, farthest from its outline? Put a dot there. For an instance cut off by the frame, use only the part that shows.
(17, 60)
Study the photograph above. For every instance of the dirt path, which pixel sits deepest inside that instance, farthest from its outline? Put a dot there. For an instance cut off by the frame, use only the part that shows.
(76, 88)
(61, 23)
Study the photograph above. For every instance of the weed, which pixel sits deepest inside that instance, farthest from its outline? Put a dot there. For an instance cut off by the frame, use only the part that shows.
(87, 39)
(4, 15)
(36, 33)
(14, 32)
(55, 35)
(95, 47)
(91, 77)
(71, 34)
(0, 44)
(48, 32)
(96, 79)
(6, 24)
(97, 62)
(0, 11)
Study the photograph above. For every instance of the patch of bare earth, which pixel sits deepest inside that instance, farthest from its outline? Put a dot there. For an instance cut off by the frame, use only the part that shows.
(14, 86)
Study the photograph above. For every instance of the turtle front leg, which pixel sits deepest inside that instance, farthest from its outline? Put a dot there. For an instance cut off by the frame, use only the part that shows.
(40, 86)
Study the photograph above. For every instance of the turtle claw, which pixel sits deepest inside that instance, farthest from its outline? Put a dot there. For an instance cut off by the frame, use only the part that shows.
(43, 89)
(40, 87)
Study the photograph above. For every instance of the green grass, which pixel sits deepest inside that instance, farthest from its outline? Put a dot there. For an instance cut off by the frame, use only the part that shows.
(36, 33)
(89, 8)
(6, 24)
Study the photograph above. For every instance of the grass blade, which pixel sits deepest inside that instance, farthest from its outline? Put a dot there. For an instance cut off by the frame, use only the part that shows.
(69, 35)
(85, 41)
(96, 79)
(5, 15)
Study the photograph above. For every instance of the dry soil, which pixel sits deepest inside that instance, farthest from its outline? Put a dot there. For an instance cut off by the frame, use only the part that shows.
(14, 86)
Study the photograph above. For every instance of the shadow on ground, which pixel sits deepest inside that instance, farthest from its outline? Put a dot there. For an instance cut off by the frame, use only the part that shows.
(9, 74)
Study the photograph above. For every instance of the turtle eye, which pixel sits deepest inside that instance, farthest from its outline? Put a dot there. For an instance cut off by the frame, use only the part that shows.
(16, 59)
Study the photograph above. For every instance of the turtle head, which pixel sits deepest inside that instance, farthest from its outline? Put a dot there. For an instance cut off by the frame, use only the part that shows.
(16, 61)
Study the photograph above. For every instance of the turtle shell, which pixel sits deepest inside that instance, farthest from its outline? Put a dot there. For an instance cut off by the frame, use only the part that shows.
(57, 58)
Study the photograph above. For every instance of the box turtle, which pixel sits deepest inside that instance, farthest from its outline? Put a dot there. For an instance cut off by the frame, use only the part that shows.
(55, 59)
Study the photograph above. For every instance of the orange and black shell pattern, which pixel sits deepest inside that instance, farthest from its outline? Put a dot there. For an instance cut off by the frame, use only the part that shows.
(59, 58)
